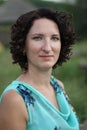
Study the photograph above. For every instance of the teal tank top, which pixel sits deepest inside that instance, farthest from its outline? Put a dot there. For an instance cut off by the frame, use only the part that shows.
(42, 114)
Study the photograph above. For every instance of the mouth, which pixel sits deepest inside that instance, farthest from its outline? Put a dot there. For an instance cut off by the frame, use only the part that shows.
(46, 57)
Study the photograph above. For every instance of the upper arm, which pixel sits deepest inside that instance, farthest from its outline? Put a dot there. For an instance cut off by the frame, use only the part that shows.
(13, 114)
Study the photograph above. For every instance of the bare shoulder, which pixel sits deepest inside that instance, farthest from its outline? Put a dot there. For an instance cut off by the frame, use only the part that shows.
(12, 99)
(12, 109)
(60, 83)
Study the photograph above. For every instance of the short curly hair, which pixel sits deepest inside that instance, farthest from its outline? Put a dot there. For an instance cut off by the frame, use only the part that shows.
(24, 23)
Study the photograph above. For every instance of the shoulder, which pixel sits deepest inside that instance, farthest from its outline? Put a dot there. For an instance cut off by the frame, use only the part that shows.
(11, 97)
(12, 104)
(60, 83)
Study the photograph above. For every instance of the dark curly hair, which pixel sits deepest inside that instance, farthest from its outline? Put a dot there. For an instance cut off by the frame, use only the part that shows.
(24, 23)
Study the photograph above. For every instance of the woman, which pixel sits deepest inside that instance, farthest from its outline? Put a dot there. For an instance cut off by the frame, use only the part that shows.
(40, 41)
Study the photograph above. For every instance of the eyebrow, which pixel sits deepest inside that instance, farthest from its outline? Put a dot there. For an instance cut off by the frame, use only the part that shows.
(41, 34)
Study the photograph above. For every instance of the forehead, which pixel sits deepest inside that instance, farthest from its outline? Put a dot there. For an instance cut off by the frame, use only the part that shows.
(44, 25)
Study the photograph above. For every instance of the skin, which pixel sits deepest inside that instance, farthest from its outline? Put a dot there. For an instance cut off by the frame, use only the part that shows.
(43, 45)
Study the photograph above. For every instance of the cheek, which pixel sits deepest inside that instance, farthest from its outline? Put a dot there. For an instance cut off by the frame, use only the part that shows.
(32, 51)
(57, 48)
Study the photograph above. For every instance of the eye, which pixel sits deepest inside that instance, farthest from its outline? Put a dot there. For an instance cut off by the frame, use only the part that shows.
(55, 38)
(37, 38)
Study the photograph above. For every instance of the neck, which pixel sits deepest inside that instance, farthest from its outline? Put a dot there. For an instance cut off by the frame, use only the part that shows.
(38, 78)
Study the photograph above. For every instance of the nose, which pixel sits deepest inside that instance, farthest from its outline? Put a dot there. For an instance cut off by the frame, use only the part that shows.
(46, 46)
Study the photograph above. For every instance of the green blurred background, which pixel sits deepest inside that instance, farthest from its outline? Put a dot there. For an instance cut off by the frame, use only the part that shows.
(73, 73)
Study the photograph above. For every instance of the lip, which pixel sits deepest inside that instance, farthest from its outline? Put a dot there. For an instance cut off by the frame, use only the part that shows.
(46, 55)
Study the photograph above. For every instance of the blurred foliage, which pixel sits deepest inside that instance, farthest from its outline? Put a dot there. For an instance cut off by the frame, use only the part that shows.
(5, 27)
(2, 2)
(82, 3)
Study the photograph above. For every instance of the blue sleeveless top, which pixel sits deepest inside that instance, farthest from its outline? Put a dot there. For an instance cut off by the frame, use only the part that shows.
(42, 114)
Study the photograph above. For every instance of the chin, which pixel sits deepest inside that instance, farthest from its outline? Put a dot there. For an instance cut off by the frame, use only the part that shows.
(47, 67)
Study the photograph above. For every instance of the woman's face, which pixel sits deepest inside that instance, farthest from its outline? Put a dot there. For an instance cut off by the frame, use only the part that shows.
(43, 44)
